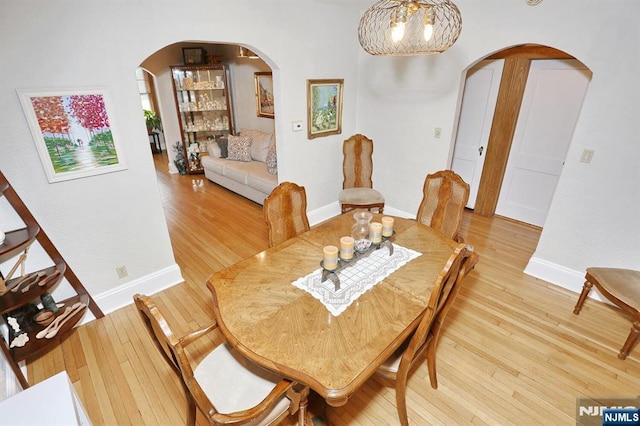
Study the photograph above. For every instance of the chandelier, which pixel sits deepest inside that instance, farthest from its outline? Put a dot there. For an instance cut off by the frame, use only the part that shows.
(404, 27)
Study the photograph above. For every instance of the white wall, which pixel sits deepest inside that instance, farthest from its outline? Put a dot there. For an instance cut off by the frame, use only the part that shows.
(101, 222)
(593, 217)
(115, 219)
(244, 95)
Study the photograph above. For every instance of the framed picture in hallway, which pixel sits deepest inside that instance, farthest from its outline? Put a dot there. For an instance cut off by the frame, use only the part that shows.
(74, 132)
(324, 107)
(264, 94)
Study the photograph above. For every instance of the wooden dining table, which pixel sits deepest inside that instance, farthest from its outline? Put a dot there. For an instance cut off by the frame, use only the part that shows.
(287, 330)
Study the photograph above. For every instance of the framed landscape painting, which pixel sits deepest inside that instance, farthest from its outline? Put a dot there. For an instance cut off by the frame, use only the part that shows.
(73, 131)
(264, 94)
(324, 107)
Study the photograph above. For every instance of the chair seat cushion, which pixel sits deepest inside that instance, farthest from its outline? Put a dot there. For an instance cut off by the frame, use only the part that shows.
(233, 383)
(621, 283)
(360, 196)
(390, 367)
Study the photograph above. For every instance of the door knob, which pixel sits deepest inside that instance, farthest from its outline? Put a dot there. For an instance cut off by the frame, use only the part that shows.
(480, 150)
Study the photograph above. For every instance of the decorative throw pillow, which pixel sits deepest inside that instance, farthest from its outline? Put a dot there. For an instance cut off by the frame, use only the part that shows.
(260, 143)
(239, 148)
(272, 160)
(223, 143)
(214, 150)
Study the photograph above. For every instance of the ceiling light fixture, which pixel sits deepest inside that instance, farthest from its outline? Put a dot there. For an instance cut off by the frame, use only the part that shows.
(404, 27)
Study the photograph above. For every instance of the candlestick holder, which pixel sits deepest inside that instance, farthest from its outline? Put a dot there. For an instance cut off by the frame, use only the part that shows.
(332, 274)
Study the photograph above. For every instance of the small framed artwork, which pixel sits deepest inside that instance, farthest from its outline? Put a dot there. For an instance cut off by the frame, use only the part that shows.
(194, 55)
(74, 132)
(264, 94)
(324, 107)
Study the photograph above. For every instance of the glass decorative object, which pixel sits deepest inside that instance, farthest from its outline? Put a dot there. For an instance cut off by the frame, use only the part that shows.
(360, 231)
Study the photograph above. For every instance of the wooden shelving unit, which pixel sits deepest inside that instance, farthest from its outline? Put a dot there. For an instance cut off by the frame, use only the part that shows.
(17, 243)
(203, 102)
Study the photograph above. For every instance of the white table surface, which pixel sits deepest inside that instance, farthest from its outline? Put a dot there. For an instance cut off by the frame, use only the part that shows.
(50, 402)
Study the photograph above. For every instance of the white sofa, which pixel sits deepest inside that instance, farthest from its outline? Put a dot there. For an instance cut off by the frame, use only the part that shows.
(245, 173)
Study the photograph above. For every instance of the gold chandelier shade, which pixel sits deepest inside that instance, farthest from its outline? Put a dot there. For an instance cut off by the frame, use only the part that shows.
(405, 28)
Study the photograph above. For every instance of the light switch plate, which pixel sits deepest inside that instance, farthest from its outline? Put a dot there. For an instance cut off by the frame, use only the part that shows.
(587, 155)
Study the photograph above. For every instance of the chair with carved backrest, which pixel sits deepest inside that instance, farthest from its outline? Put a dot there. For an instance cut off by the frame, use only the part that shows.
(357, 168)
(445, 195)
(226, 387)
(425, 338)
(622, 288)
(285, 211)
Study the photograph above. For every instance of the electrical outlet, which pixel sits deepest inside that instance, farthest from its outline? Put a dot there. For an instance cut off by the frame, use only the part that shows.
(296, 126)
(121, 271)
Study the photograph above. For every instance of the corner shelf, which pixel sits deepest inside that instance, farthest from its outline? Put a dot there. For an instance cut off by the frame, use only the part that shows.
(15, 243)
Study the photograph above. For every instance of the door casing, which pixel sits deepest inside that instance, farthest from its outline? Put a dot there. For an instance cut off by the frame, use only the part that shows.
(514, 79)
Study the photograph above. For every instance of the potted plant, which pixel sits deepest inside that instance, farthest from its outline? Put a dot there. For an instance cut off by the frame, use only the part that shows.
(152, 121)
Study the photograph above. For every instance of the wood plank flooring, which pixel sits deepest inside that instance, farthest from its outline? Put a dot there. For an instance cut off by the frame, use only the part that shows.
(512, 351)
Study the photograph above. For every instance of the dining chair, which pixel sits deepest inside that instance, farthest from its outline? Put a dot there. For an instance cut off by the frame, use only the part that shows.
(226, 387)
(357, 168)
(285, 211)
(622, 288)
(425, 338)
(445, 195)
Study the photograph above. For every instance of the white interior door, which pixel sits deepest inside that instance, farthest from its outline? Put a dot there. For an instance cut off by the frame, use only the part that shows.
(474, 125)
(550, 107)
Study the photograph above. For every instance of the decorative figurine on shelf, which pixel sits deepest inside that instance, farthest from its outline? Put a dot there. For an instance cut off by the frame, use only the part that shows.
(194, 160)
(194, 156)
(13, 323)
(19, 341)
(179, 160)
(21, 338)
(48, 302)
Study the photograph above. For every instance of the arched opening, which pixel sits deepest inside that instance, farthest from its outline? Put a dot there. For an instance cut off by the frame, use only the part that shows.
(497, 131)
(242, 65)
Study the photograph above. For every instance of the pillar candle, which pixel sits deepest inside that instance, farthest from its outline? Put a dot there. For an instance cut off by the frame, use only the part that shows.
(346, 248)
(376, 232)
(387, 226)
(330, 257)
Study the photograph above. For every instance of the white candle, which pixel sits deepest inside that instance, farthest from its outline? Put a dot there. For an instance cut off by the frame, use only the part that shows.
(330, 257)
(376, 232)
(387, 226)
(346, 248)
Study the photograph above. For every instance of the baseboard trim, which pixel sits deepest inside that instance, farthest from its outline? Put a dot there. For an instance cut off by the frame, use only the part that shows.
(323, 213)
(122, 296)
(331, 210)
(559, 275)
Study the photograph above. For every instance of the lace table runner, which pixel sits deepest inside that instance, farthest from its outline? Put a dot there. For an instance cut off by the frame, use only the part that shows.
(355, 279)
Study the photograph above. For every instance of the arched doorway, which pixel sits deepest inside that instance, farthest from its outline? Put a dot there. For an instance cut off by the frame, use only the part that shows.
(242, 65)
(501, 126)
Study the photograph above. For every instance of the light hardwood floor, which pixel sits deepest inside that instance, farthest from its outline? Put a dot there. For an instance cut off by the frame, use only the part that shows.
(511, 352)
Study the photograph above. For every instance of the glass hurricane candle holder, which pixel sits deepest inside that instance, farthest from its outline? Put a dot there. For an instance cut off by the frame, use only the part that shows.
(360, 231)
